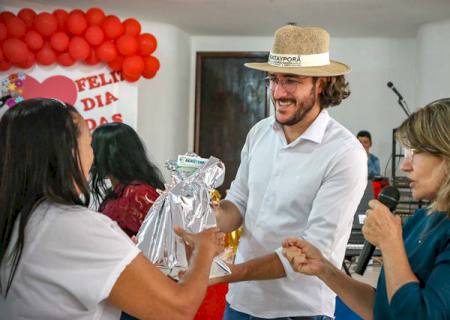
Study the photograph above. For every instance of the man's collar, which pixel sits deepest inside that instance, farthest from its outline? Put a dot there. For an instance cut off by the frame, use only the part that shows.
(314, 132)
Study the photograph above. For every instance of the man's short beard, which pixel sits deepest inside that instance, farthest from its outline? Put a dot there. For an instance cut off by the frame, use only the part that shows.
(305, 108)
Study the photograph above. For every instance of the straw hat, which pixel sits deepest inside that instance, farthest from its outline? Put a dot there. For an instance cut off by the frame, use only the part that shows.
(301, 51)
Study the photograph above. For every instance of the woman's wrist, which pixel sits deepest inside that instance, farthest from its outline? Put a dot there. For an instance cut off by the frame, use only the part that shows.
(393, 244)
(327, 271)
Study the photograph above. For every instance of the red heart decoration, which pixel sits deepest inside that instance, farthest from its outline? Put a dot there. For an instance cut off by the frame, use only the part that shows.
(56, 87)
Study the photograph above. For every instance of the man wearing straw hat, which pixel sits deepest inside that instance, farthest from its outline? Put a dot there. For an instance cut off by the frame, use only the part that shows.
(301, 173)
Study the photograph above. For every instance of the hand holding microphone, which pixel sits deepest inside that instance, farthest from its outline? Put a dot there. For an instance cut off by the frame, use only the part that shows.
(381, 227)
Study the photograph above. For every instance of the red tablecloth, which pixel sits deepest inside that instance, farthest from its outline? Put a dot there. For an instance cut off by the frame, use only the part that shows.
(213, 305)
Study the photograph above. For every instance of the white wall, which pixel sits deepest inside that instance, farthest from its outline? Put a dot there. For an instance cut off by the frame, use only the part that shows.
(374, 61)
(433, 60)
(372, 105)
(163, 110)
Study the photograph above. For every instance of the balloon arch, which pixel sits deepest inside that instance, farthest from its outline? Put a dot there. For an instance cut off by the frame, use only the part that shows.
(65, 38)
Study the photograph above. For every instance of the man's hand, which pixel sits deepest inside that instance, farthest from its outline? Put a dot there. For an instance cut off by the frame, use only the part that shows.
(228, 216)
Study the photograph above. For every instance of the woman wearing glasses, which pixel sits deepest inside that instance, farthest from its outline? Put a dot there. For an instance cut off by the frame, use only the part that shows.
(415, 280)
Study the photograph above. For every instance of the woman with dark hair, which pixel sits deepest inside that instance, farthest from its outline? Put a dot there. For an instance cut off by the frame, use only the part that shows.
(60, 260)
(415, 280)
(120, 156)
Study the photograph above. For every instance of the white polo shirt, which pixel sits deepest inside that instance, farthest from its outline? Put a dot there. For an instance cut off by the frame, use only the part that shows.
(309, 188)
(71, 259)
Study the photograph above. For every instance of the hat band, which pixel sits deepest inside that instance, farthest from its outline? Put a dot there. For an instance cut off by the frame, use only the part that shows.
(298, 60)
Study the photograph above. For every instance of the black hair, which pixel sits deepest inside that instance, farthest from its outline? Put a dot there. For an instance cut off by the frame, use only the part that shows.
(364, 133)
(119, 153)
(39, 158)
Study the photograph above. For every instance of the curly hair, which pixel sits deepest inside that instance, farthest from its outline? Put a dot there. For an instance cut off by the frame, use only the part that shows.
(335, 89)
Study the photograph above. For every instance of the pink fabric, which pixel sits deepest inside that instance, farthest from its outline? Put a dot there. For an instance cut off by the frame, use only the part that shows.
(131, 206)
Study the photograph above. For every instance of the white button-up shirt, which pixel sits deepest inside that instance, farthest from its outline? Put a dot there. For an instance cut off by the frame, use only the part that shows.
(309, 188)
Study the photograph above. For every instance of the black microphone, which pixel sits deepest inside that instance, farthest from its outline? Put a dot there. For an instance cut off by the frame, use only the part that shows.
(389, 196)
(391, 85)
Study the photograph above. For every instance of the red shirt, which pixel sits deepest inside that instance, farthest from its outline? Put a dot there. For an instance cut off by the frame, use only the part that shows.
(130, 206)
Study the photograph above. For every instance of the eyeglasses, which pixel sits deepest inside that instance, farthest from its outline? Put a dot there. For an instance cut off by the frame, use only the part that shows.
(288, 85)
(409, 153)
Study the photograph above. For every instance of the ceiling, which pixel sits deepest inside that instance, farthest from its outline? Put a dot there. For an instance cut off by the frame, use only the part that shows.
(342, 18)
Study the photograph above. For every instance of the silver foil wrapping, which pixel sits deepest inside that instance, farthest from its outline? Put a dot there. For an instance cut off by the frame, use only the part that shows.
(185, 202)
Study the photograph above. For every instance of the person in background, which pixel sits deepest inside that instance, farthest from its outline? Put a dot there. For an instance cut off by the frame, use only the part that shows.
(120, 156)
(373, 163)
(60, 260)
(415, 280)
(301, 173)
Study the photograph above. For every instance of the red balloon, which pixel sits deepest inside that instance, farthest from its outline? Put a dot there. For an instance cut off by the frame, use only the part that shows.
(3, 32)
(15, 50)
(112, 27)
(34, 40)
(6, 15)
(76, 23)
(61, 17)
(132, 27)
(27, 15)
(94, 35)
(59, 41)
(147, 43)
(4, 66)
(151, 66)
(29, 62)
(133, 66)
(116, 64)
(131, 78)
(79, 48)
(45, 23)
(106, 51)
(92, 59)
(127, 45)
(2, 56)
(16, 27)
(77, 11)
(64, 59)
(95, 16)
(46, 56)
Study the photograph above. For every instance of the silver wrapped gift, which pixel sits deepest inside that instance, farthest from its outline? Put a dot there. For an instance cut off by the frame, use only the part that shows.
(185, 202)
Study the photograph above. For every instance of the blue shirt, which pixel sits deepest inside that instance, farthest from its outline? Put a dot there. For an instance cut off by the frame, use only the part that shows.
(427, 243)
(373, 165)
